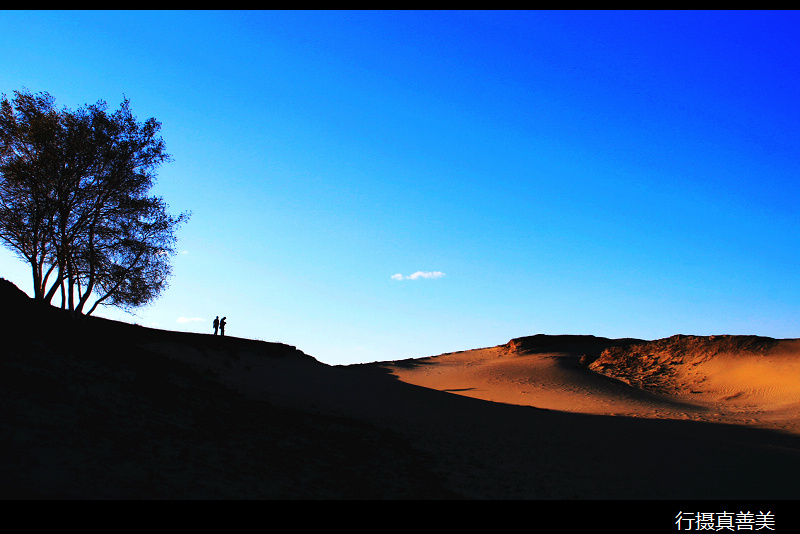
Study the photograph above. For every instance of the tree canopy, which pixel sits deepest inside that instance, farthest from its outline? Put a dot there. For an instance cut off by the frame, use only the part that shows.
(75, 203)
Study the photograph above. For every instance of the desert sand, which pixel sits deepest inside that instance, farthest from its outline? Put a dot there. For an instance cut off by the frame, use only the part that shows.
(560, 417)
(106, 410)
(740, 380)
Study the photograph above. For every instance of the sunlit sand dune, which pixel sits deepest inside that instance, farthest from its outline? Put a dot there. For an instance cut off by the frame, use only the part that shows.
(732, 379)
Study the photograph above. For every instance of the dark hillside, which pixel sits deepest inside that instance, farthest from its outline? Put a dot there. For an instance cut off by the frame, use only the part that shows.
(89, 413)
(105, 410)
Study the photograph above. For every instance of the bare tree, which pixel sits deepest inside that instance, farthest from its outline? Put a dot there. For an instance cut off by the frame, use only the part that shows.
(75, 204)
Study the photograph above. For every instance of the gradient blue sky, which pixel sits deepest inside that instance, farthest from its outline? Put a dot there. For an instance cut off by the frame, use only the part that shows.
(621, 174)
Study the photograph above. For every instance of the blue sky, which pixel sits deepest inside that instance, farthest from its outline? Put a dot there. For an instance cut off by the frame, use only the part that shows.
(620, 174)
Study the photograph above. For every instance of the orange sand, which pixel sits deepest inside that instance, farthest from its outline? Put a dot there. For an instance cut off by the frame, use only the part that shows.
(753, 389)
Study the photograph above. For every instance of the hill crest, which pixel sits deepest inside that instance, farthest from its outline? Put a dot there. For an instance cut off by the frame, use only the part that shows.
(571, 344)
(101, 409)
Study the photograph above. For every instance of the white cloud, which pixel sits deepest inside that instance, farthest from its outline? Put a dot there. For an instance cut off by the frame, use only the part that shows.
(418, 274)
(190, 319)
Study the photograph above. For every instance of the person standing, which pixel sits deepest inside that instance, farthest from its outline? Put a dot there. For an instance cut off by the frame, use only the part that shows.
(216, 325)
(222, 326)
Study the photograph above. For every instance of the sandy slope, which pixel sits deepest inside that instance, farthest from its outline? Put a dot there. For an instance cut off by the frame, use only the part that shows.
(685, 377)
(109, 410)
(529, 420)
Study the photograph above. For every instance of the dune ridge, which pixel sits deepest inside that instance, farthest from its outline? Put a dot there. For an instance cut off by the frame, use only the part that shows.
(745, 379)
(659, 364)
(107, 410)
(724, 368)
(566, 344)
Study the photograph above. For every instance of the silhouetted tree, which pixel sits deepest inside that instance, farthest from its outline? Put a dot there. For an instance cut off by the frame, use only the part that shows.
(74, 202)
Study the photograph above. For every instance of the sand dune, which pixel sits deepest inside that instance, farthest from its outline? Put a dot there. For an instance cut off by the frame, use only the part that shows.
(102, 409)
(729, 379)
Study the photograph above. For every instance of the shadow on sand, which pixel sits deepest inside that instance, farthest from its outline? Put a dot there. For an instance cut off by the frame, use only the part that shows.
(109, 410)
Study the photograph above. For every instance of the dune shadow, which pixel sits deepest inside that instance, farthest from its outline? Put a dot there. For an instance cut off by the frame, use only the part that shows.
(410, 363)
(385, 368)
(541, 452)
(332, 432)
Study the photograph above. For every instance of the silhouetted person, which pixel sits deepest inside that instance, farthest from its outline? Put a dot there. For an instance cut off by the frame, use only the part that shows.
(216, 325)
(222, 326)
